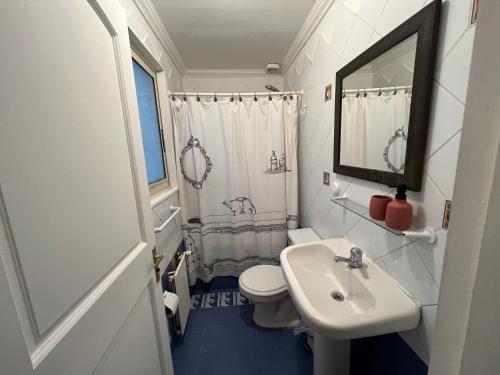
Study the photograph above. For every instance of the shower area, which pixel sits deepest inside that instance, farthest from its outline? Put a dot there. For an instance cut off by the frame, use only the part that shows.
(236, 156)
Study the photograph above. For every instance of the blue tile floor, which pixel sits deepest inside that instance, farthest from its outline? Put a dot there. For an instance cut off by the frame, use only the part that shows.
(226, 341)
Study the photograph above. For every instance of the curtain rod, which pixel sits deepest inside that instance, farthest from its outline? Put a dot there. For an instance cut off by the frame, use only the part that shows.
(377, 89)
(235, 94)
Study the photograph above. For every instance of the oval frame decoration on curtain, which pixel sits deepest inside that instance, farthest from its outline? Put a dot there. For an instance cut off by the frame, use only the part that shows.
(195, 143)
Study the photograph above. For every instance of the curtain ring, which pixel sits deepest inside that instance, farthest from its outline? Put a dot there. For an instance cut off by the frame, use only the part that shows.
(395, 91)
(197, 97)
(291, 96)
(379, 91)
(255, 97)
(240, 99)
(173, 97)
(270, 97)
(365, 94)
(343, 93)
(357, 95)
(185, 98)
(232, 97)
(215, 97)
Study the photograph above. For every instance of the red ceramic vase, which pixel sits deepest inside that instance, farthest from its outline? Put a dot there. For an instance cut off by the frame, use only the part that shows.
(378, 206)
(399, 215)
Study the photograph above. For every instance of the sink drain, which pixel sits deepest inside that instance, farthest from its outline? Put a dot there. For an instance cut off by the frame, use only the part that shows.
(337, 296)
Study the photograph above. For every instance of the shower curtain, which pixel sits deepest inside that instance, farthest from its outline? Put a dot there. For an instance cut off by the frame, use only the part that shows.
(237, 176)
(370, 124)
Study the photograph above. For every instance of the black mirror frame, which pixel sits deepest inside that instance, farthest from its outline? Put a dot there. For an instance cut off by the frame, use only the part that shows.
(426, 25)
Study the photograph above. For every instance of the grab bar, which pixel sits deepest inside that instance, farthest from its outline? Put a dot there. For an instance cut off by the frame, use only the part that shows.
(175, 210)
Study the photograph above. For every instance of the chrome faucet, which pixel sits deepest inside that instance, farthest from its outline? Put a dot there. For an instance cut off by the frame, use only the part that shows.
(355, 260)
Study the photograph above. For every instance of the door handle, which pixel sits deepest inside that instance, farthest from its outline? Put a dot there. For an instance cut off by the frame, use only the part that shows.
(157, 258)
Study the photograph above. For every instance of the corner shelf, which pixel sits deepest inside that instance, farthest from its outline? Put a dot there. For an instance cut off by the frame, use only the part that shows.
(362, 211)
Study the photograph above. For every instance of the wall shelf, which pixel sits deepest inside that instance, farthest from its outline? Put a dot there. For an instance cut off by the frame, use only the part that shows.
(426, 233)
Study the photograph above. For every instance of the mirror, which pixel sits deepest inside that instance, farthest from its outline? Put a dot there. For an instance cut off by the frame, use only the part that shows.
(384, 96)
(376, 102)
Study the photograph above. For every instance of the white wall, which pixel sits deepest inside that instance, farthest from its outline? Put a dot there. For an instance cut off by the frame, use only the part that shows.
(230, 82)
(348, 29)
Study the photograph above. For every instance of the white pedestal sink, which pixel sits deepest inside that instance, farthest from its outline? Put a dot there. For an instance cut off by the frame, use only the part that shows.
(340, 303)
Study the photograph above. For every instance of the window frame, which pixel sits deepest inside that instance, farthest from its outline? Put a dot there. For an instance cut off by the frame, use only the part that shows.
(163, 184)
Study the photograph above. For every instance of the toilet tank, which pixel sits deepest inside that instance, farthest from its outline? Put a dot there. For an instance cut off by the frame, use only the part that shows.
(298, 236)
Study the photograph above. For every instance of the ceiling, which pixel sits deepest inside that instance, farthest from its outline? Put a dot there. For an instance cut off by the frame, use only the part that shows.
(232, 34)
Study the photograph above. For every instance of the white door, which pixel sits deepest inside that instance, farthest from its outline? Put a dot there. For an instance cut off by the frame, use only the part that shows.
(78, 293)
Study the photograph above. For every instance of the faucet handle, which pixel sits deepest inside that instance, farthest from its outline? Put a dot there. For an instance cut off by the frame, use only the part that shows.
(356, 253)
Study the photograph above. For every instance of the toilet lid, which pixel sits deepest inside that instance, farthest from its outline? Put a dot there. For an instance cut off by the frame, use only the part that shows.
(263, 279)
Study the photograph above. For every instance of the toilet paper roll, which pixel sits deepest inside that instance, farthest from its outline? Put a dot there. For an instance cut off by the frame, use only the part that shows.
(171, 301)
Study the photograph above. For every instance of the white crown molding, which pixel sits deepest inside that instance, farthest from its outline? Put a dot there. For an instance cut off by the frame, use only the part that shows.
(312, 21)
(216, 73)
(151, 16)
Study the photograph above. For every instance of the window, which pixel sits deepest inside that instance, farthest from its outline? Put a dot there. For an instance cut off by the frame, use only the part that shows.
(151, 126)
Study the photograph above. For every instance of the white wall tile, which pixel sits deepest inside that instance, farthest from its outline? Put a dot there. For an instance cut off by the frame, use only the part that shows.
(428, 205)
(442, 166)
(326, 56)
(454, 22)
(446, 118)
(322, 129)
(358, 40)
(453, 74)
(361, 191)
(353, 5)
(406, 266)
(336, 223)
(371, 10)
(325, 28)
(319, 209)
(343, 21)
(325, 159)
(308, 124)
(395, 13)
(433, 254)
(373, 240)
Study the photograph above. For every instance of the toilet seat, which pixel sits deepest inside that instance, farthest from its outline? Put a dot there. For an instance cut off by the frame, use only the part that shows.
(263, 281)
(266, 286)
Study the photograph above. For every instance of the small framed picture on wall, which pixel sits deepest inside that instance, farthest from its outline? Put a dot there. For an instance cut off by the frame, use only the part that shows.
(474, 12)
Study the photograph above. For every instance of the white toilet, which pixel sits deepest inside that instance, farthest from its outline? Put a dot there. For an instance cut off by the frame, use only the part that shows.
(266, 286)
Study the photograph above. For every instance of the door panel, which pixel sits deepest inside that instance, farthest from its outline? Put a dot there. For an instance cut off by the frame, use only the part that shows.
(75, 220)
(83, 346)
(95, 149)
(126, 359)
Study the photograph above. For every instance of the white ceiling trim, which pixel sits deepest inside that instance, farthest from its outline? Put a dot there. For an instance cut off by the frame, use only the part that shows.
(151, 16)
(312, 21)
(216, 73)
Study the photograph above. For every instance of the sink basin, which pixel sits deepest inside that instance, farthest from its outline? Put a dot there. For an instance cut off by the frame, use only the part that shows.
(341, 302)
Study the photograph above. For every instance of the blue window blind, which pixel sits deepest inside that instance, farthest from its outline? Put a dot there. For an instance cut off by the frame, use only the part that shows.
(150, 125)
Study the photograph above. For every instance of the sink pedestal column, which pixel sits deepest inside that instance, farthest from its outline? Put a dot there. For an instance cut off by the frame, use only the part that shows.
(331, 357)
